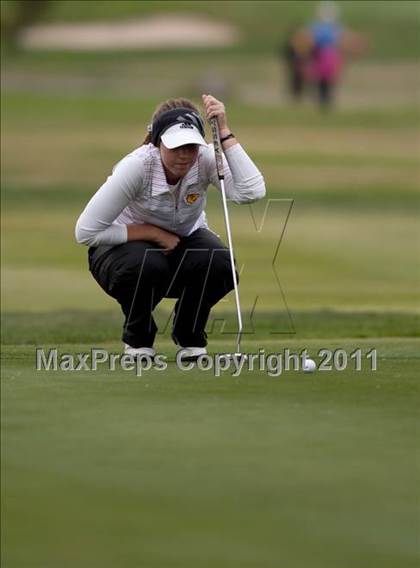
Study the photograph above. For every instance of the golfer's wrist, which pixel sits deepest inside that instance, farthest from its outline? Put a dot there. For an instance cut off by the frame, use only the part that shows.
(225, 131)
(227, 138)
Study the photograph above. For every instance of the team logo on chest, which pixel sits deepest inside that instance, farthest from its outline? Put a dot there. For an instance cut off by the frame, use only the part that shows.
(192, 198)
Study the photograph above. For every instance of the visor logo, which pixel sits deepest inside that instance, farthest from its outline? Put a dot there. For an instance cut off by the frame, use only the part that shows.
(186, 125)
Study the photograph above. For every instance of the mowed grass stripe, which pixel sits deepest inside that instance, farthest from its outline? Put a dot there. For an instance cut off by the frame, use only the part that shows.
(23, 110)
(335, 260)
(19, 199)
(394, 348)
(78, 326)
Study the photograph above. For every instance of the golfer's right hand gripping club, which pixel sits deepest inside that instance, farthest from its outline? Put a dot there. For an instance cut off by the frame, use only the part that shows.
(219, 167)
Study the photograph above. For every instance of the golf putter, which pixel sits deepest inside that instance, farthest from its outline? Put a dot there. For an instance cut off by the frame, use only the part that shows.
(219, 167)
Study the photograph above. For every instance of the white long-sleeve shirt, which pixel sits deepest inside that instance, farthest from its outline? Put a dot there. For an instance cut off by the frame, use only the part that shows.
(137, 192)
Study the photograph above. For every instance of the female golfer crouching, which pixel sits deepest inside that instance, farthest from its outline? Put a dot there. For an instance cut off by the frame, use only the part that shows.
(146, 226)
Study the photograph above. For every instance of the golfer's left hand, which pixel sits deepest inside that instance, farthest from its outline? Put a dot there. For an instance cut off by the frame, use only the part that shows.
(216, 108)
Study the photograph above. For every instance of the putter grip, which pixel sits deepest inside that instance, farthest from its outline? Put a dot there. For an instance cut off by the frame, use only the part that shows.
(217, 147)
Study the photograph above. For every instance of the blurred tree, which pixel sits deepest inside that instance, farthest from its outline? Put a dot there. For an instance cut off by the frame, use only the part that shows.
(16, 14)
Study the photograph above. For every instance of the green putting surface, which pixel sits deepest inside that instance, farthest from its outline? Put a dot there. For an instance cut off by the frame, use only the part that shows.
(186, 469)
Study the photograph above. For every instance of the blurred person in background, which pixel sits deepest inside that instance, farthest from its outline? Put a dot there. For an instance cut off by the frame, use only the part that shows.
(146, 226)
(295, 59)
(321, 48)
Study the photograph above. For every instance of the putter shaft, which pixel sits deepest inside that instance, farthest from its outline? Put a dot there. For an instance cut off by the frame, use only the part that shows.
(220, 174)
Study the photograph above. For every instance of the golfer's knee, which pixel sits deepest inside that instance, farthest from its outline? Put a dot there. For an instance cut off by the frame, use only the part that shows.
(221, 269)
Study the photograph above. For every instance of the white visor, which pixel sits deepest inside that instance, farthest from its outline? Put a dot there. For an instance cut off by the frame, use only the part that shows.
(181, 134)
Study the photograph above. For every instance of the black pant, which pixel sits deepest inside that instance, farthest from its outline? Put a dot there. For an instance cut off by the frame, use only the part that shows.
(325, 93)
(138, 275)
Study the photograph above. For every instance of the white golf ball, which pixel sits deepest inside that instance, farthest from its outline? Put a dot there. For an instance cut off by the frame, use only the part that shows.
(309, 366)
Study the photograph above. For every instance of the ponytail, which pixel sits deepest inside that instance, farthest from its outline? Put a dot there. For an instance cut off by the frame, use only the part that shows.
(147, 140)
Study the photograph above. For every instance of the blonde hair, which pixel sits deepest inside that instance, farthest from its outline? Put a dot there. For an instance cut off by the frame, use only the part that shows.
(170, 104)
